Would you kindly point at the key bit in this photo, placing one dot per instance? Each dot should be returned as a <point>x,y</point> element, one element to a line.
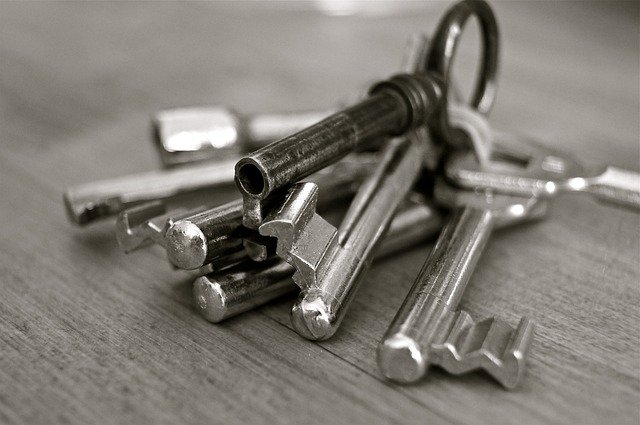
<point>428,329</point>
<point>195,241</point>
<point>246,285</point>
<point>524,167</point>
<point>188,135</point>
<point>101,199</point>
<point>330,263</point>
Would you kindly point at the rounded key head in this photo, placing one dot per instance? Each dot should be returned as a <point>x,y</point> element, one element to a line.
<point>209,299</point>
<point>400,359</point>
<point>311,317</point>
<point>186,245</point>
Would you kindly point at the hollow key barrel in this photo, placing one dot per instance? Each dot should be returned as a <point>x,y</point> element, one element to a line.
<point>394,106</point>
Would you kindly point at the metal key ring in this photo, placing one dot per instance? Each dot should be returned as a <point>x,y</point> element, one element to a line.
<point>442,49</point>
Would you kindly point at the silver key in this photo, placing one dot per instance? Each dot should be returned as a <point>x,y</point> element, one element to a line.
<point>89,202</point>
<point>221,295</point>
<point>331,262</point>
<point>525,168</point>
<point>188,135</point>
<point>427,329</point>
<point>195,241</point>
<point>146,224</point>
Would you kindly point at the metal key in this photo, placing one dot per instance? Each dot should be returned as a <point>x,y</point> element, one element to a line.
<point>523,167</point>
<point>188,135</point>
<point>427,329</point>
<point>195,241</point>
<point>89,202</point>
<point>393,107</point>
<point>221,295</point>
<point>148,223</point>
<point>331,262</point>
<point>193,134</point>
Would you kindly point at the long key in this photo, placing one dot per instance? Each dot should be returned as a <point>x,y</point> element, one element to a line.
<point>188,135</point>
<point>427,329</point>
<point>330,263</point>
<point>393,107</point>
<point>195,241</point>
<point>192,134</point>
<point>89,202</point>
<point>524,167</point>
<point>221,295</point>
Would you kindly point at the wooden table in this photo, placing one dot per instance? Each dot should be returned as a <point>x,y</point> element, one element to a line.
<point>89,335</point>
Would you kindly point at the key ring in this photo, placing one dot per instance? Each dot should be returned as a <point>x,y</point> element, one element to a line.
<point>441,52</point>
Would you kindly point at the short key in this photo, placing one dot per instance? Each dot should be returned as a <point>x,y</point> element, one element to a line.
<point>427,329</point>
<point>331,262</point>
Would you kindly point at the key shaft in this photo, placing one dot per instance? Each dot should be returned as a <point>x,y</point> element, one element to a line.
<point>90,202</point>
<point>331,262</point>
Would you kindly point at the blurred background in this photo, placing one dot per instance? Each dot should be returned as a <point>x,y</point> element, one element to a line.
<point>86,332</point>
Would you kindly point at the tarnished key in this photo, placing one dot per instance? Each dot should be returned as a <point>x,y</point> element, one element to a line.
<point>198,133</point>
<point>523,167</point>
<point>428,329</point>
<point>221,295</point>
<point>89,202</point>
<point>331,262</point>
<point>188,135</point>
<point>195,241</point>
<point>393,107</point>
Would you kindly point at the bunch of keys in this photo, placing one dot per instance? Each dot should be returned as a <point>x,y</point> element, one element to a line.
<point>275,238</point>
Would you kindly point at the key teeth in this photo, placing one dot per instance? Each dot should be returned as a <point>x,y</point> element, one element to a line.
<point>128,233</point>
<point>303,236</point>
<point>490,344</point>
<point>287,222</point>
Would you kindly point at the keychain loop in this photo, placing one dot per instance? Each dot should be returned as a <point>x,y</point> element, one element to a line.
<point>445,41</point>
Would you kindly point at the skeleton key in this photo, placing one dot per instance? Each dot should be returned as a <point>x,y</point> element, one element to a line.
<point>393,107</point>
<point>192,134</point>
<point>194,241</point>
<point>330,263</point>
<point>427,329</point>
<point>221,295</point>
<point>527,168</point>
<point>188,135</point>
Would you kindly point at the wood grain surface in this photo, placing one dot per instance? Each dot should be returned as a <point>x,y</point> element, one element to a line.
<point>89,335</point>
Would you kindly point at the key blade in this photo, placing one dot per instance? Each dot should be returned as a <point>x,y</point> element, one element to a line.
<point>302,235</point>
<point>132,230</point>
<point>100,199</point>
<point>613,185</point>
<point>491,344</point>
